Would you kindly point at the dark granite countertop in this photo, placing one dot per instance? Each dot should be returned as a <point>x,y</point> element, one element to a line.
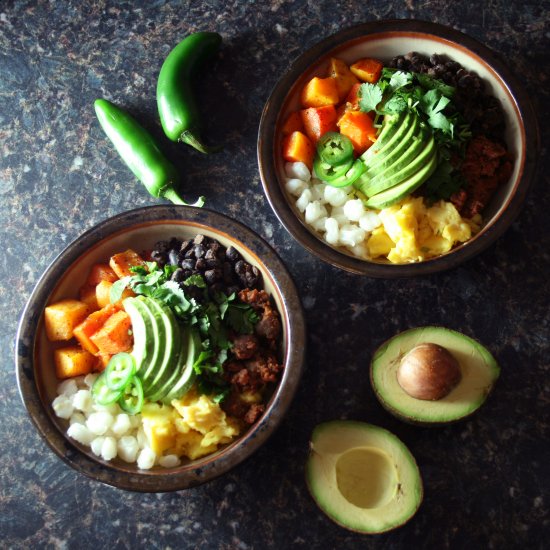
<point>486,480</point>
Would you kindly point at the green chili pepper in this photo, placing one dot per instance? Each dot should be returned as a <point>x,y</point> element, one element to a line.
<point>327,172</point>
<point>131,400</point>
<point>120,369</point>
<point>177,107</point>
<point>140,152</point>
<point>334,148</point>
<point>102,393</point>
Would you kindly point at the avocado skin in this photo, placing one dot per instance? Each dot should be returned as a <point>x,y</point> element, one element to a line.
<point>436,336</point>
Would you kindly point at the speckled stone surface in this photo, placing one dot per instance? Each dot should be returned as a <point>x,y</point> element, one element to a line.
<point>486,480</point>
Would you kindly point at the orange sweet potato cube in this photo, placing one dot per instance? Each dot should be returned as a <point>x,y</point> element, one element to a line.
<point>367,69</point>
<point>92,324</point>
<point>359,128</point>
<point>115,335</point>
<point>122,262</point>
<point>73,361</point>
<point>297,147</point>
<point>103,293</point>
<point>101,272</point>
<point>87,295</point>
<point>320,91</point>
<point>293,123</point>
<point>318,121</point>
<point>61,318</point>
<point>344,78</point>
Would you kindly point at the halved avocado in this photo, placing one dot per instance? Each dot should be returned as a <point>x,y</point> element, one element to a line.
<point>362,476</point>
<point>478,367</point>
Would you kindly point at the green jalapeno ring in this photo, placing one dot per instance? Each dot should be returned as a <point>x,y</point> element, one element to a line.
<point>102,394</point>
<point>356,170</point>
<point>120,369</point>
<point>328,172</point>
<point>139,151</point>
<point>131,399</point>
<point>335,148</point>
<point>178,111</point>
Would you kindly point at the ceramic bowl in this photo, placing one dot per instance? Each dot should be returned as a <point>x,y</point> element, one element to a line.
<point>384,40</point>
<point>141,229</point>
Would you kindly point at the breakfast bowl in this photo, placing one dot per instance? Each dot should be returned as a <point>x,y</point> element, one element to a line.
<point>362,170</point>
<point>178,372</point>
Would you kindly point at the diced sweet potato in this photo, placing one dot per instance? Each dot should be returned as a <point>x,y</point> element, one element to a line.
<point>101,272</point>
<point>122,262</point>
<point>115,334</point>
<point>359,128</point>
<point>102,362</point>
<point>87,295</point>
<point>92,324</point>
<point>320,91</point>
<point>293,123</point>
<point>297,147</point>
<point>344,78</point>
<point>367,69</point>
<point>103,293</point>
<point>318,121</point>
<point>62,317</point>
<point>73,361</point>
<point>352,99</point>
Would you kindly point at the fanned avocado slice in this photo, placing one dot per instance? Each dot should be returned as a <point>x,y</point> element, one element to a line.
<point>478,367</point>
<point>362,476</point>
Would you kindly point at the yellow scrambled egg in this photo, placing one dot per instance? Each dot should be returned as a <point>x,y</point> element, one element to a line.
<point>412,232</point>
<point>192,426</point>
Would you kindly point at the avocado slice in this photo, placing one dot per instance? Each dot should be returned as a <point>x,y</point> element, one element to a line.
<point>362,476</point>
<point>390,125</point>
<point>187,376</point>
<point>401,171</point>
<point>145,346</point>
<point>170,342</point>
<point>401,190</point>
<point>479,373</point>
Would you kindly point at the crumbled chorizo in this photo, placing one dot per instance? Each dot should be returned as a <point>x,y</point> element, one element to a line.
<point>245,346</point>
<point>269,325</point>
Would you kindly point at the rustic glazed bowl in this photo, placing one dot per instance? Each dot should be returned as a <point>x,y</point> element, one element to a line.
<point>141,229</point>
<point>384,40</point>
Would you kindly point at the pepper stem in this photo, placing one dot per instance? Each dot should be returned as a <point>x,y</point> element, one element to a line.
<point>172,195</point>
<point>188,137</point>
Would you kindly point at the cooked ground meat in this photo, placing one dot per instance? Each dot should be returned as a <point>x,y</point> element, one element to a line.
<point>245,346</point>
<point>269,325</point>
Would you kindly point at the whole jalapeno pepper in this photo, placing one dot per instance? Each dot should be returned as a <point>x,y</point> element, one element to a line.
<point>176,102</point>
<point>139,151</point>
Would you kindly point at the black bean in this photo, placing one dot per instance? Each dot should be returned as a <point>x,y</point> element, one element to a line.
<point>199,250</point>
<point>173,257</point>
<point>212,276</point>
<point>200,265</point>
<point>178,275</point>
<point>199,239</point>
<point>188,263</point>
<point>213,262</point>
<point>160,257</point>
<point>185,245</point>
<point>232,254</point>
<point>240,267</point>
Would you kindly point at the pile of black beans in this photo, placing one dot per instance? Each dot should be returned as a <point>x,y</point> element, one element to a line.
<point>223,269</point>
<point>481,110</point>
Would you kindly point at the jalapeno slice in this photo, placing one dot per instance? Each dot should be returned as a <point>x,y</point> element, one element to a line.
<point>335,148</point>
<point>120,369</point>
<point>131,400</point>
<point>102,393</point>
<point>327,172</point>
<point>351,176</point>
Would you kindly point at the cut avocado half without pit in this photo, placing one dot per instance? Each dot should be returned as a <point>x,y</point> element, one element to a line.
<point>362,476</point>
<point>418,382</point>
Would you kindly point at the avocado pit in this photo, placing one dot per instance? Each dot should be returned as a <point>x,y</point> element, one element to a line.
<point>428,372</point>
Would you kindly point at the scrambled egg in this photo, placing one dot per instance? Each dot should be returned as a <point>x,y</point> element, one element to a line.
<point>412,232</point>
<point>192,426</point>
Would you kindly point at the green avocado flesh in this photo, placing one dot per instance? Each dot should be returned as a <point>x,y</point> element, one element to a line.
<point>163,355</point>
<point>479,373</point>
<point>362,476</point>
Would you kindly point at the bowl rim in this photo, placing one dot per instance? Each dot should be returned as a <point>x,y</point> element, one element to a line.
<point>276,195</point>
<point>208,467</point>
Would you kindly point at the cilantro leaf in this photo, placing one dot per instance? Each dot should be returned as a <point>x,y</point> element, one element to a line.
<point>400,79</point>
<point>370,96</point>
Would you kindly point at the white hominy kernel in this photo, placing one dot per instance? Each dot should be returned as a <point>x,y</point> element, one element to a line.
<point>350,235</point>
<point>319,224</point>
<point>146,459</point>
<point>318,192</point>
<point>142,438</point>
<point>62,406</point>
<point>297,170</point>
<point>369,220</point>
<point>108,449</point>
<point>80,433</point>
<point>135,420</point>
<point>89,379</point>
<point>121,424</point>
<point>169,461</point>
<point>354,209</point>
<point>335,196</point>
<point>77,418</point>
<point>67,387</point>
<point>113,408</point>
<point>360,250</point>
<point>82,400</point>
<point>128,448</point>
<point>303,200</point>
<point>295,186</point>
<point>332,235</point>
<point>96,445</point>
<point>338,214</point>
<point>314,211</point>
<point>99,422</point>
